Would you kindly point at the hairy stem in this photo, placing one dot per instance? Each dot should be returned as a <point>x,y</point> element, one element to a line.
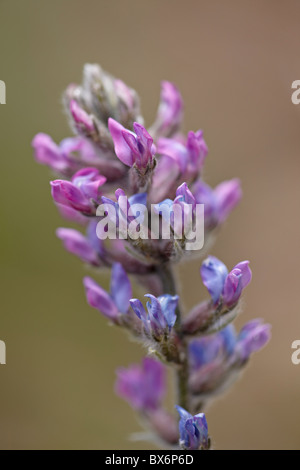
<point>167,277</point>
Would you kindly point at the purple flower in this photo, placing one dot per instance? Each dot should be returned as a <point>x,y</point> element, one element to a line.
<point>165,180</point>
<point>170,111</point>
<point>83,121</point>
<point>189,157</point>
<point>123,204</point>
<point>126,214</point>
<point>211,360</point>
<point>228,194</point>
<point>204,194</point>
<point>179,161</point>
<point>128,108</point>
<point>125,94</point>
<point>78,245</point>
<point>218,202</point>
<point>214,273</point>
<point>71,214</point>
<point>75,153</point>
<point>111,305</point>
<point>80,193</point>
<point>180,212</point>
<point>220,283</point>
<point>132,148</point>
<point>142,386</point>
<point>235,282</point>
<point>210,348</point>
<point>252,337</point>
<point>55,156</point>
<point>215,359</point>
<point>161,315</point>
<point>183,194</point>
<point>193,430</point>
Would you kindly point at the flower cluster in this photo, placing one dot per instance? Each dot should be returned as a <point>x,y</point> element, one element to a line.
<point>114,162</point>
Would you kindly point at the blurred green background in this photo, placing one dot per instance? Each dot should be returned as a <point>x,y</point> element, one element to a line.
<point>234,63</point>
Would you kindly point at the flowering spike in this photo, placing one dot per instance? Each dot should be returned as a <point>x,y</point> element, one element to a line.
<point>113,153</point>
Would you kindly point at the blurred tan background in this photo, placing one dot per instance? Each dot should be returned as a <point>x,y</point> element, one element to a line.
<point>234,63</point>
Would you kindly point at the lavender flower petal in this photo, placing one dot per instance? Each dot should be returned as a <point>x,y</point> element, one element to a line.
<point>170,111</point>
<point>78,244</point>
<point>235,282</point>
<point>81,118</point>
<point>228,194</point>
<point>168,305</point>
<point>140,312</point>
<point>100,299</point>
<point>214,273</point>
<point>193,430</point>
<point>132,148</point>
<point>66,194</point>
<point>142,386</point>
<point>253,337</point>
<point>120,288</point>
<point>48,153</point>
<point>206,350</point>
<point>122,149</point>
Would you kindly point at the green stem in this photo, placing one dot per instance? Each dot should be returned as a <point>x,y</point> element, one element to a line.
<point>167,277</point>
